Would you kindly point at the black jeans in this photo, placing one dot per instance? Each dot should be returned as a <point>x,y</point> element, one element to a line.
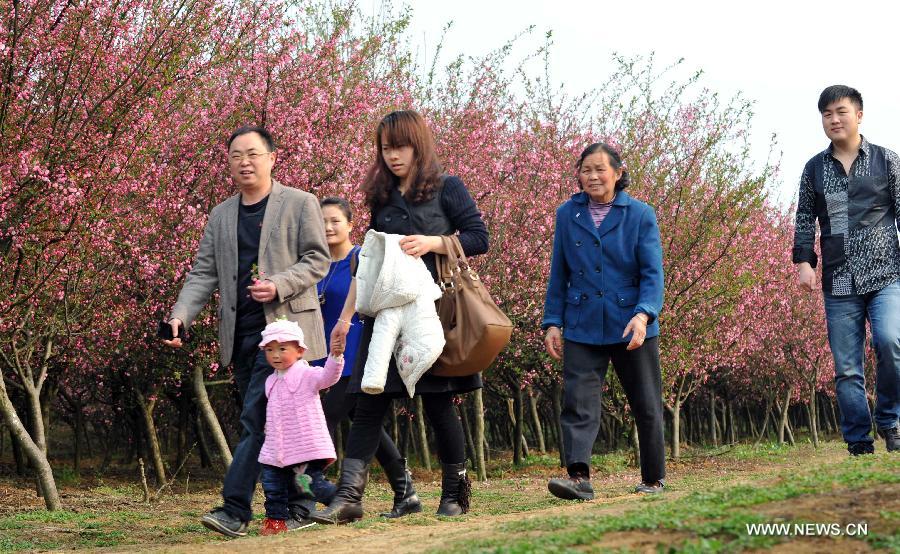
<point>584,372</point>
<point>337,405</point>
<point>367,426</point>
<point>250,373</point>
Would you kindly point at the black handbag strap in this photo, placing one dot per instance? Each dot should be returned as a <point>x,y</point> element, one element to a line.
<point>354,260</point>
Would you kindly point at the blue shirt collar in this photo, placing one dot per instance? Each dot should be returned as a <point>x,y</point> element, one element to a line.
<point>622,198</point>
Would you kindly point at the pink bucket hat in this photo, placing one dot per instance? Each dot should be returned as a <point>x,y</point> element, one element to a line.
<point>282,330</point>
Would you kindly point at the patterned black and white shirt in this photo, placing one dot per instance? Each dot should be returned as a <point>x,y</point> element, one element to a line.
<point>858,219</point>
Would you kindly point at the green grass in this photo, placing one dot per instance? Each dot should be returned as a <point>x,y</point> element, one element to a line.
<point>715,521</point>
<point>704,510</point>
<point>88,529</point>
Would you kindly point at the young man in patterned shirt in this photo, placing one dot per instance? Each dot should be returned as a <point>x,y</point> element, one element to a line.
<point>852,189</point>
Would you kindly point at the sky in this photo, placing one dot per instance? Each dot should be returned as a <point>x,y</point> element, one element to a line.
<point>779,54</point>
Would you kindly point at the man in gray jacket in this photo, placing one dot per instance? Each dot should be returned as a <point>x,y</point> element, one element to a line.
<point>264,250</point>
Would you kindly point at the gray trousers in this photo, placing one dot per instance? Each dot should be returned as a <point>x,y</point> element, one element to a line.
<point>584,373</point>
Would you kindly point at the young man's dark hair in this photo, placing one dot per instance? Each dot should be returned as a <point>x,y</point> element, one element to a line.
<point>262,132</point>
<point>836,92</point>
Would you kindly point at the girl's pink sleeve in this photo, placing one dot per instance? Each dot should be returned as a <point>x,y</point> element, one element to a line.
<point>330,374</point>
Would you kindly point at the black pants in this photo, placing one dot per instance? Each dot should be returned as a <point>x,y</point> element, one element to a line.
<point>337,405</point>
<point>584,372</point>
<point>368,422</point>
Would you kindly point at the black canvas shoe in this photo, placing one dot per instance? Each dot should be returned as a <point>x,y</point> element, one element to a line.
<point>297,523</point>
<point>221,521</point>
<point>299,517</point>
<point>891,438</point>
<point>571,488</point>
<point>655,488</point>
<point>859,448</point>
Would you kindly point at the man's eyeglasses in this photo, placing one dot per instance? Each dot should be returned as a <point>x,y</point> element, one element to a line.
<point>237,158</point>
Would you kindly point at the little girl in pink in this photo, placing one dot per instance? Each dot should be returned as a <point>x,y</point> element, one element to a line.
<point>296,432</point>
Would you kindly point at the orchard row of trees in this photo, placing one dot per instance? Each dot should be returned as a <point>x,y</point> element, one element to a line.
<point>112,125</point>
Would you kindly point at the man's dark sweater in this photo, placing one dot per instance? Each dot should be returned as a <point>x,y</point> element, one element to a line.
<point>250,316</point>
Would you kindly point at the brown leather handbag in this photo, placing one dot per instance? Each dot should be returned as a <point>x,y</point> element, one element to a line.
<point>476,330</point>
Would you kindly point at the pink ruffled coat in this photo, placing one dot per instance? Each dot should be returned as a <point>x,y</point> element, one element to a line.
<point>296,431</point>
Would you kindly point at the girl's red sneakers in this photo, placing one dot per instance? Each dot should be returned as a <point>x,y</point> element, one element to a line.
<point>273,526</point>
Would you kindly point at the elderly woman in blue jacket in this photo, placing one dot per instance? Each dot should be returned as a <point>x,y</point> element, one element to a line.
<point>603,298</point>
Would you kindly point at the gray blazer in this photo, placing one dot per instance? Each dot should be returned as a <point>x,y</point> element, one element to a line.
<point>293,254</point>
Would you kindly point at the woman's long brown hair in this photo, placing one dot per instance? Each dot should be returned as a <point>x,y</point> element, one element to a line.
<point>403,128</point>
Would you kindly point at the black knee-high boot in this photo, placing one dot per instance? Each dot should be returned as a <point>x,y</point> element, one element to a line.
<point>347,503</point>
<point>406,501</point>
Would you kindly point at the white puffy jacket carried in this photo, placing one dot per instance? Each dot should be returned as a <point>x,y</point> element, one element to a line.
<point>399,292</point>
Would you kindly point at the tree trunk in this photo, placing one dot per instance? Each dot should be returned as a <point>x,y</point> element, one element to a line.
<point>713,424</point>
<point>729,410</point>
<point>181,434</point>
<point>76,455</point>
<point>35,418</point>
<point>209,418</point>
<point>784,414</point>
<point>765,423</point>
<point>395,423</point>
<point>467,431</point>
<point>48,394</point>
<point>411,431</point>
<point>520,421</point>
<point>516,413</point>
<point>823,414</point>
<point>834,417</point>
<point>87,438</point>
<point>147,408</point>
<point>676,428</point>
<point>205,457</point>
<point>18,455</point>
<point>813,411</point>
<point>538,428</point>
<point>423,436</point>
<point>480,440</point>
<point>557,415</point>
<point>751,423</point>
<point>405,424</point>
<point>790,433</point>
<point>635,443</point>
<point>33,451</point>
<point>515,436</point>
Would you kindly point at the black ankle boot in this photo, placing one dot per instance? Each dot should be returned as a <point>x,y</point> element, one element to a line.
<point>347,503</point>
<point>406,501</point>
<point>455,490</point>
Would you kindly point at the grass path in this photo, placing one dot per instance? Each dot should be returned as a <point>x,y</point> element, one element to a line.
<point>711,497</point>
<point>710,501</point>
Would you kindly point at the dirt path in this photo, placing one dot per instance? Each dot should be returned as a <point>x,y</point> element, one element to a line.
<point>399,538</point>
<point>424,532</point>
<point>513,508</point>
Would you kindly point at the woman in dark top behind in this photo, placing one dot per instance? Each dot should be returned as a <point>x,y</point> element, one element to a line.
<point>337,405</point>
<point>408,194</point>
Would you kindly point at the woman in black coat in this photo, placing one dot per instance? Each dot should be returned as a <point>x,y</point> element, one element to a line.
<point>408,194</point>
